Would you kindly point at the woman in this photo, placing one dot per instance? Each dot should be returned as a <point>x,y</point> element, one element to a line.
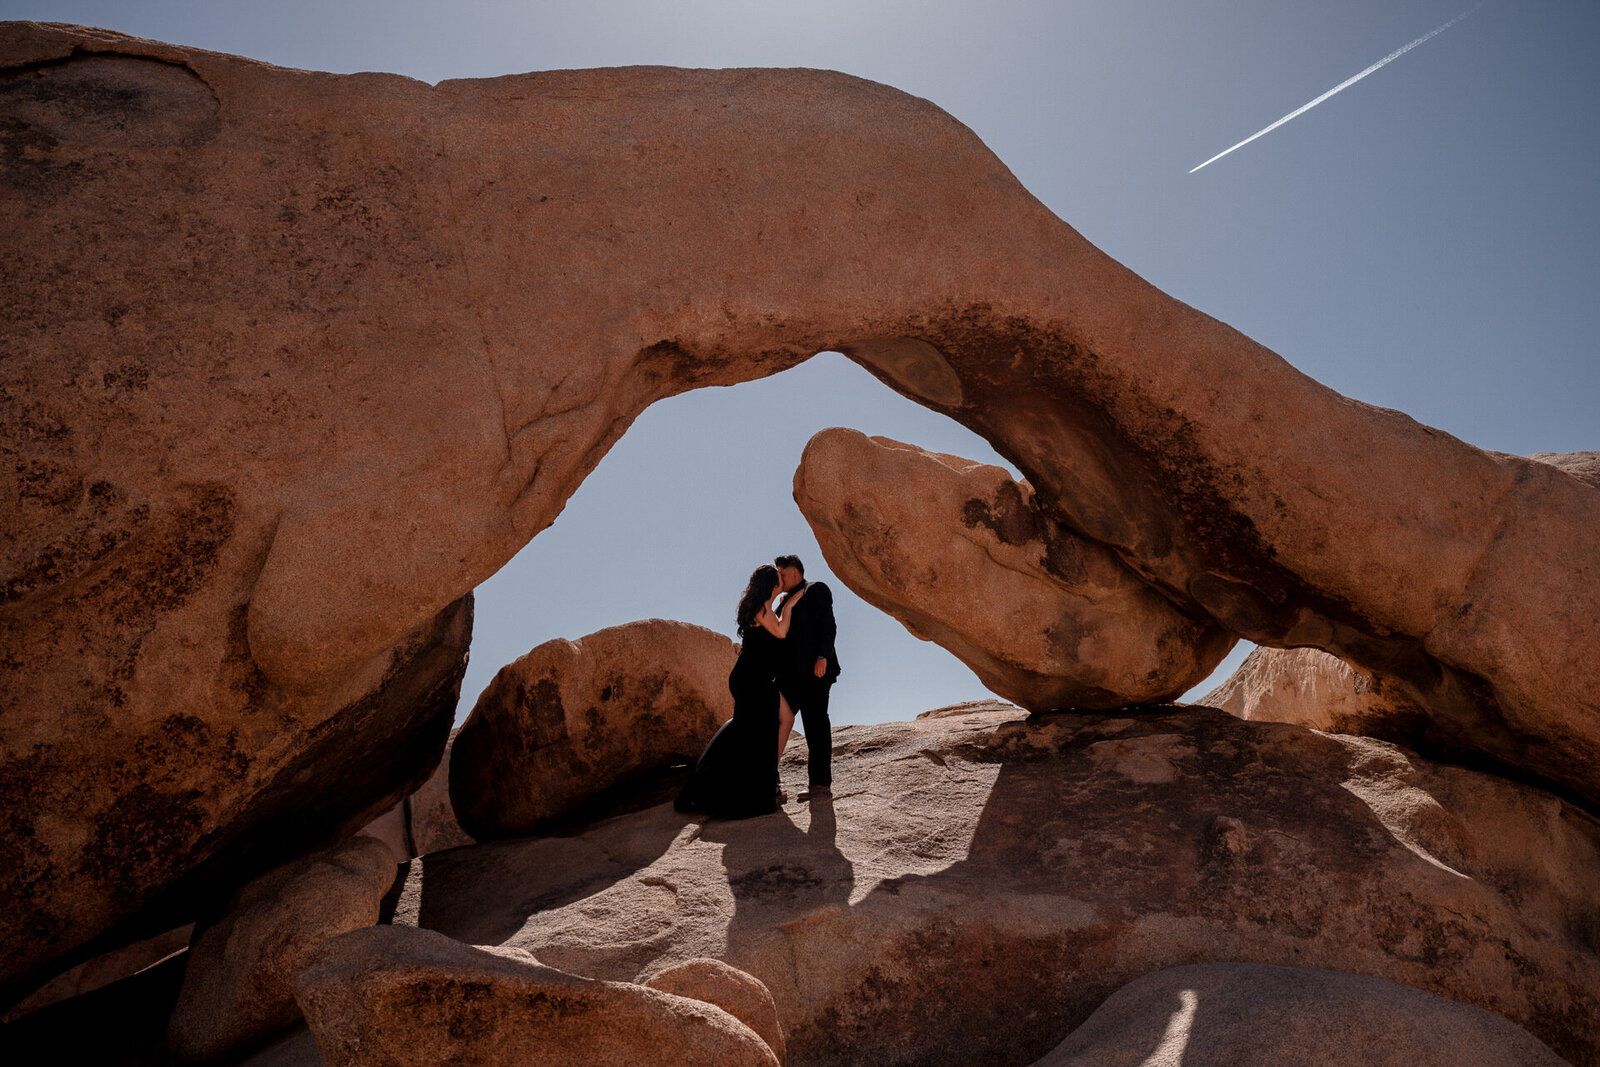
<point>737,774</point>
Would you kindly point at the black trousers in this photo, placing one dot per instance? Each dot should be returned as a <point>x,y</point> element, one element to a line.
<point>808,699</point>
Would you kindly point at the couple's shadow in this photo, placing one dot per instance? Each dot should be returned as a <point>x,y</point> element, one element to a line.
<point>778,871</point>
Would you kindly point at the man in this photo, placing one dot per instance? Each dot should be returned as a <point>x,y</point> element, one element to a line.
<point>808,668</point>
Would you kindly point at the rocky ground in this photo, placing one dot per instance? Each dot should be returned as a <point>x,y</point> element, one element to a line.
<point>983,881</point>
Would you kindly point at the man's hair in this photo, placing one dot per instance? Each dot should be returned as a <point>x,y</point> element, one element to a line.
<point>790,561</point>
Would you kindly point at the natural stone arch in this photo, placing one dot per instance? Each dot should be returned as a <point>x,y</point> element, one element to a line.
<point>379,331</point>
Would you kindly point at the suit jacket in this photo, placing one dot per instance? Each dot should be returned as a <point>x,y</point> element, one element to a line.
<point>811,634</point>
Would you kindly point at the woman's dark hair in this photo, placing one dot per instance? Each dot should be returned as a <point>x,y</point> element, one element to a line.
<point>762,582</point>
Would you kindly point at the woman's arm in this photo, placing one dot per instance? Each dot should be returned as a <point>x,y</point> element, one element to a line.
<point>774,625</point>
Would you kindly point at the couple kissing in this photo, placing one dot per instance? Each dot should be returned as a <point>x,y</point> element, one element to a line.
<point>786,668</point>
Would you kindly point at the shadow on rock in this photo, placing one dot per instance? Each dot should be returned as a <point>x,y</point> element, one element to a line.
<point>483,894</point>
<point>775,868</point>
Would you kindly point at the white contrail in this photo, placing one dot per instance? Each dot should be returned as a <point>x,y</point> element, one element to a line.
<point>1385,61</point>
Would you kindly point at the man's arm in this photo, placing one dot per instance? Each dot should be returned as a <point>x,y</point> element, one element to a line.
<point>827,629</point>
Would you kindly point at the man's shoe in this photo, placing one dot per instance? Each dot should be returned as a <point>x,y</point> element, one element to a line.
<point>816,792</point>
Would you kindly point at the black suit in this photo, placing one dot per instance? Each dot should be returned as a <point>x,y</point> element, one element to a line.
<point>811,636</point>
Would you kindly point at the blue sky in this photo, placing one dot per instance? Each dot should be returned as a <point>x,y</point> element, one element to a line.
<point>1427,240</point>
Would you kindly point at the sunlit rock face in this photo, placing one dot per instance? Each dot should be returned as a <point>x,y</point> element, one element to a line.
<point>963,555</point>
<point>1249,1015</point>
<point>1584,466</point>
<point>981,882</point>
<point>571,719</point>
<point>1309,687</point>
<point>294,360</point>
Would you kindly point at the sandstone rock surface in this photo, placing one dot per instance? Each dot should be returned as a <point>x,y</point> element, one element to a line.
<point>238,984</point>
<point>1309,687</point>
<point>979,884</point>
<point>966,557</point>
<point>739,994</point>
<point>972,707</point>
<point>379,334</point>
<point>1249,1015</point>
<point>398,997</point>
<point>1584,466</point>
<point>573,718</point>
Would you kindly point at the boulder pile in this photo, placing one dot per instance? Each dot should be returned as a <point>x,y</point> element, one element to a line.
<point>572,719</point>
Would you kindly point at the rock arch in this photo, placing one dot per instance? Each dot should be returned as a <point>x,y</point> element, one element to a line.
<point>275,399</point>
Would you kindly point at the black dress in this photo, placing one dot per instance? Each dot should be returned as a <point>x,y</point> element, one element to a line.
<point>737,774</point>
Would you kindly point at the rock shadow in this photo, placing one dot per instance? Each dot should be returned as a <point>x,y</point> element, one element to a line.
<point>775,866</point>
<point>483,894</point>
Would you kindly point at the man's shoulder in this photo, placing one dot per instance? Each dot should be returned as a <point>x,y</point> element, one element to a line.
<point>818,591</point>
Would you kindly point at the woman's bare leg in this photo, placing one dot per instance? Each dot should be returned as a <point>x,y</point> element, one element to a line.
<point>785,724</point>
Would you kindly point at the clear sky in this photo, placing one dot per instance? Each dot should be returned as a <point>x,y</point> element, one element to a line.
<point>1427,239</point>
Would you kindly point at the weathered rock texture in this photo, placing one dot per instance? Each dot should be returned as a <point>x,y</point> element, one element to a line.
<point>972,707</point>
<point>397,997</point>
<point>380,330</point>
<point>1249,1015</point>
<point>964,556</point>
<point>1311,688</point>
<point>573,718</point>
<point>163,419</point>
<point>423,822</point>
<point>1584,466</point>
<point>980,885</point>
<point>739,994</point>
<point>238,985</point>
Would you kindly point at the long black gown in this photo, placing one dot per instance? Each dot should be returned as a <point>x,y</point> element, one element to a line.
<point>737,774</point>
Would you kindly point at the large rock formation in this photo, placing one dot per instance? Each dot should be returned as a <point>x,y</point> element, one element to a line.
<point>396,997</point>
<point>1311,688</point>
<point>294,360</point>
<point>159,431</point>
<point>573,718</point>
<point>980,884</point>
<point>1248,1015</point>
<point>964,556</point>
<point>238,982</point>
